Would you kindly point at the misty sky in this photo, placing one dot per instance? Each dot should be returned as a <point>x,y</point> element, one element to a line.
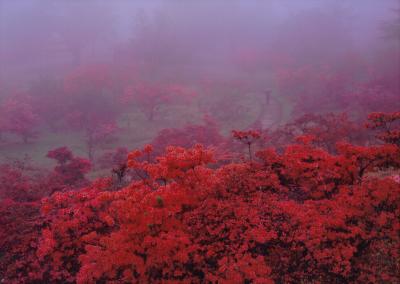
<point>43,38</point>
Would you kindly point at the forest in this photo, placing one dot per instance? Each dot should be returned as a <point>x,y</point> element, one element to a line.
<point>220,141</point>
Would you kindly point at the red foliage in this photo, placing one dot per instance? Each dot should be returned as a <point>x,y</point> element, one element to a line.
<point>206,134</point>
<point>20,228</point>
<point>378,93</point>
<point>18,117</point>
<point>61,155</point>
<point>49,101</point>
<point>312,88</point>
<point>327,129</point>
<point>388,124</point>
<point>70,171</point>
<point>114,158</point>
<point>116,161</point>
<point>91,104</point>
<point>247,138</point>
<point>305,215</point>
<point>99,134</point>
<point>150,96</point>
<point>227,106</point>
<point>348,87</point>
<point>21,182</point>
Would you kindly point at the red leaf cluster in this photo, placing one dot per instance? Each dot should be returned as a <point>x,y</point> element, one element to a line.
<point>301,216</point>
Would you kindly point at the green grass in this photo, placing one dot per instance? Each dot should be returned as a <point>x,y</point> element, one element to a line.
<point>135,130</point>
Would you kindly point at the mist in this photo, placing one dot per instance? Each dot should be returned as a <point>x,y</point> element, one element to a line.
<point>163,64</point>
<point>134,129</point>
<point>49,38</point>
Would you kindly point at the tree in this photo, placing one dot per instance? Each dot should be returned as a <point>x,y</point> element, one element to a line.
<point>311,88</point>
<point>326,129</point>
<point>69,172</point>
<point>22,182</point>
<point>248,138</point>
<point>18,116</point>
<point>116,161</point>
<point>49,102</point>
<point>92,107</point>
<point>150,96</point>
<point>206,134</point>
<point>388,124</point>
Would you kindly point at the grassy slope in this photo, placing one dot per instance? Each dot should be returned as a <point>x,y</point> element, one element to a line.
<point>135,130</point>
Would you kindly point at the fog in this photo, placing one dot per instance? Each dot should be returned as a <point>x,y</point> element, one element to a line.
<point>47,38</point>
<point>110,62</point>
<point>199,141</point>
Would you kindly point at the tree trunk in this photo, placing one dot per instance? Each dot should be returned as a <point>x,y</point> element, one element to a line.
<point>151,114</point>
<point>90,149</point>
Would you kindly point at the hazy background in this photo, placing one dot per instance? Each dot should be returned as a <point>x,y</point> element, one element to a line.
<point>226,52</point>
<point>47,38</point>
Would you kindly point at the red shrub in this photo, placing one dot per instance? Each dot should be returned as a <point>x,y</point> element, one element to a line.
<point>206,134</point>
<point>326,129</point>
<point>70,171</point>
<point>305,215</point>
<point>388,124</point>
